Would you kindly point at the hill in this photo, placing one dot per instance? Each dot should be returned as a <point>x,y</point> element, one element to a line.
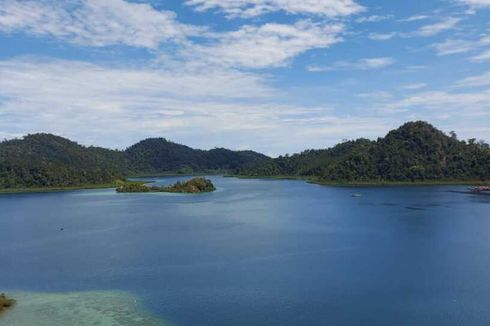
<point>416,151</point>
<point>158,155</point>
<point>46,160</point>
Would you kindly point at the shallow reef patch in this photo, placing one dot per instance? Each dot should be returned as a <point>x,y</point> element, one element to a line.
<point>78,309</point>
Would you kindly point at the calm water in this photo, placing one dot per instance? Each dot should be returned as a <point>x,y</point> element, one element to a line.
<point>260,252</point>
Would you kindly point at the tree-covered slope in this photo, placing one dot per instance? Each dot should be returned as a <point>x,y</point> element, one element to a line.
<point>45,160</point>
<point>158,155</point>
<point>416,151</point>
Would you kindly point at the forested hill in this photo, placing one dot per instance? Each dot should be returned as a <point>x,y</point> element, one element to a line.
<point>414,152</point>
<point>45,160</point>
<point>158,155</point>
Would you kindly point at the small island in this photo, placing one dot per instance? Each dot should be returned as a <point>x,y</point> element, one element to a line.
<point>5,303</point>
<point>193,186</point>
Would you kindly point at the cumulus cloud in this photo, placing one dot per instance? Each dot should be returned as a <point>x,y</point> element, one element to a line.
<point>252,8</point>
<point>362,64</point>
<point>94,22</point>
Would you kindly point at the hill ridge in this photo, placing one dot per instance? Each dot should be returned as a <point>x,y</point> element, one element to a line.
<point>416,151</point>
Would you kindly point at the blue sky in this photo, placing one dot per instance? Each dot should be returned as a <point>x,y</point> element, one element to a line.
<point>277,76</point>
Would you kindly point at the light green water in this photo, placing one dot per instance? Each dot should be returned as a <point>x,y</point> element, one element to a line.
<point>78,309</point>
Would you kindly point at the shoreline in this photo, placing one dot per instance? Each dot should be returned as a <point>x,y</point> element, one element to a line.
<point>313,180</point>
<point>65,189</point>
<point>56,189</point>
<point>280,177</point>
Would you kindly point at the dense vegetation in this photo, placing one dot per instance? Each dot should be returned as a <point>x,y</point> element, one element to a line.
<point>45,160</point>
<point>158,155</point>
<point>414,152</point>
<point>5,303</point>
<point>195,185</point>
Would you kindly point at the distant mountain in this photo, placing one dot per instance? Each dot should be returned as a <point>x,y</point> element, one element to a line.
<point>414,152</point>
<point>45,160</point>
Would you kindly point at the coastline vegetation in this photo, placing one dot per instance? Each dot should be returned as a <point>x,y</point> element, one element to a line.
<point>414,154</point>
<point>318,181</point>
<point>45,162</point>
<point>5,302</point>
<point>195,185</point>
<point>58,189</point>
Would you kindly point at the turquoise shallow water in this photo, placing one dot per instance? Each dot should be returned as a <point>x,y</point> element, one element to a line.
<point>103,308</point>
<point>256,252</point>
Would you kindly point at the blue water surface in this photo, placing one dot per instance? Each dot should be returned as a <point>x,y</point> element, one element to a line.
<point>261,252</point>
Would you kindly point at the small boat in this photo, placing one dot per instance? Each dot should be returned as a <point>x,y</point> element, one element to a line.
<point>356,195</point>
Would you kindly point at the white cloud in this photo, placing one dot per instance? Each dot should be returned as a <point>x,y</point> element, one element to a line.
<point>84,81</point>
<point>482,57</point>
<point>376,95</point>
<point>452,46</point>
<point>268,45</point>
<point>476,81</point>
<point>252,8</point>
<point>373,18</point>
<point>112,22</point>
<point>471,102</point>
<point>116,106</point>
<point>362,64</point>
<point>381,36</point>
<point>94,22</point>
<point>476,3</point>
<point>414,18</point>
<point>415,86</point>
<point>466,112</point>
<point>424,31</point>
<point>436,28</point>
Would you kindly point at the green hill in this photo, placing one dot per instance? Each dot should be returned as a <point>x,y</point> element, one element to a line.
<point>414,152</point>
<point>158,155</point>
<point>45,160</point>
<point>49,161</point>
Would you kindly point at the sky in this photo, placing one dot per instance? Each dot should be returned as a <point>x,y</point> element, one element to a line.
<point>275,76</point>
